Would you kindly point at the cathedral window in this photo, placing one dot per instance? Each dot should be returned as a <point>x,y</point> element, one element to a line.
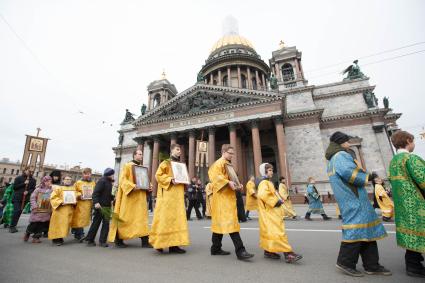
<point>243,81</point>
<point>156,100</point>
<point>254,83</point>
<point>287,72</point>
<point>225,81</point>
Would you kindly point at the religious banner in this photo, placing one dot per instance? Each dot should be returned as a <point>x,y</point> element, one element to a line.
<point>201,159</point>
<point>34,152</point>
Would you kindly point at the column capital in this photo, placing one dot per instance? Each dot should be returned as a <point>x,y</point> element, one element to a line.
<point>192,133</point>
<point>232,126</point>
<point>278,120</point>
<point>254,123</point>
<point>140,140</point>
<point>211,130</point>
<point>156,139</point>
<point>173,135</point>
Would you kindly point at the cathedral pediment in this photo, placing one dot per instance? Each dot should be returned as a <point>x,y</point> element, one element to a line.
<point>202,99</point>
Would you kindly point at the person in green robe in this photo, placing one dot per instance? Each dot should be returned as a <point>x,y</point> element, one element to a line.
<point>7,205</point>
<point>407,177</point>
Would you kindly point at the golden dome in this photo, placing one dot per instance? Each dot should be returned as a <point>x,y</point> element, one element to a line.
<point>233,39</point>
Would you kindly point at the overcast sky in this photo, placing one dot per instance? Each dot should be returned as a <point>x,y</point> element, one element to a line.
<point>99,56</point>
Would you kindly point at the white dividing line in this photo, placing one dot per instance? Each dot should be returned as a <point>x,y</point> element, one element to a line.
<point>299,230</point>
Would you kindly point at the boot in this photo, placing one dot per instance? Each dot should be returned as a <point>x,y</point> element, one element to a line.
<point>145,242</point>
<point>325,217</point>
<point>307,216</point>
<point>26,237</point>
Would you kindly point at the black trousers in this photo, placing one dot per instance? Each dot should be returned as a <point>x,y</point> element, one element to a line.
<point>349,255</point>
<point>236,239</point>
<point>17,211</point>
<point>37,228</point>
<point>413,261</point>
<point>240,207</point>
<point>97,219</point>
<point>193,203</point>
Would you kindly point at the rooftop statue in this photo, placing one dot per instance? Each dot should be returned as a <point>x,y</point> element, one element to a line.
<point>353,72</point>
<point>143,109</point>
<point>273,82</point>
<point>128,117</point>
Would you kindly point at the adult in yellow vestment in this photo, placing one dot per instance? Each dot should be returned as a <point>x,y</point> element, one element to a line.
<point>61,219</point>
<point>82,212</point>
<point>209,193</point>
<point>384,201</point>
<point>251,197</point>
<point>273,239</point>
<point>284,193</point>
<point>224,218</point>
<point>169,225</point>
<point>130,216</point>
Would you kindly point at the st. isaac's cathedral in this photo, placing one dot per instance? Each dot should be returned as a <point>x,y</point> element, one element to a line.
<point>267,111</point>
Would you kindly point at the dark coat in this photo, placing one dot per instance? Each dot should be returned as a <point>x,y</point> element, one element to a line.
<point>19,188</point>
<point>102,193</point>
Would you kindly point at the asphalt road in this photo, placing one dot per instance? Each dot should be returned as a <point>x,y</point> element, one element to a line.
<point>317,241</point>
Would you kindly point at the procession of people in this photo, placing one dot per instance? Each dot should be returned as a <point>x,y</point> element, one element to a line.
<point>59,207</point>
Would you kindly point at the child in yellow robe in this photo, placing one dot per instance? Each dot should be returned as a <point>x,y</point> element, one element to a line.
<point>273,239</point>
<point>284,194</point>
<point>251,197</point>
<point>63,204</point>
<point>384,201</point>
<point>208,192</point>
<point>82,213</point>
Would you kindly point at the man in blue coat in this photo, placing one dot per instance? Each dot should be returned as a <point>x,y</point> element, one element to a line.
<point>361,227</point>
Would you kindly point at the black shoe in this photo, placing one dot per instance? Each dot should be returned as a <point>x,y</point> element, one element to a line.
<point>325,217</point>
<point>380,271</point>
<point>45,234</point>
<point>416,273</point>
<point>13,230</point>
<point>271,255</point>
<point>6,225</point>
<point>91,244</point>
<point>103,245</point>
<point>120,244</point>
<point>350,271</point>
<point>176,250</point>
<point>244,255</point>
<point>386,219</point>
<point>339,217</point>
<point>220,252</point>
<point>160,250</point>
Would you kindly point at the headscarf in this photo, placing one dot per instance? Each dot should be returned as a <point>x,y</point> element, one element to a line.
<point>263,169</point>
<point>43,182</point>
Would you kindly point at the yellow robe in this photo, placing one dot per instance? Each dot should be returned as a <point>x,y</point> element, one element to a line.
<point>208,201</point>
<point>61,219</point>
<point>224,216</point>
<point>338,212</point>
<point>272,229</point>
<point>169,225</point>
<point>130,219</point>
<point>251,199</point>
<point>386,204</point>
<point>284,193</point>
<point>82,212</point>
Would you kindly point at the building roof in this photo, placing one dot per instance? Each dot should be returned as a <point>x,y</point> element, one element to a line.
<point>231,39</point>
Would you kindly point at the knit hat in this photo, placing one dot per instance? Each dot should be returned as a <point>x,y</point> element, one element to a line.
<point>108,172</point>
<point>339,138</point>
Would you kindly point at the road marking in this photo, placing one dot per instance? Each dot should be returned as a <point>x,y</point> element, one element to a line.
<point>299,230</point>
